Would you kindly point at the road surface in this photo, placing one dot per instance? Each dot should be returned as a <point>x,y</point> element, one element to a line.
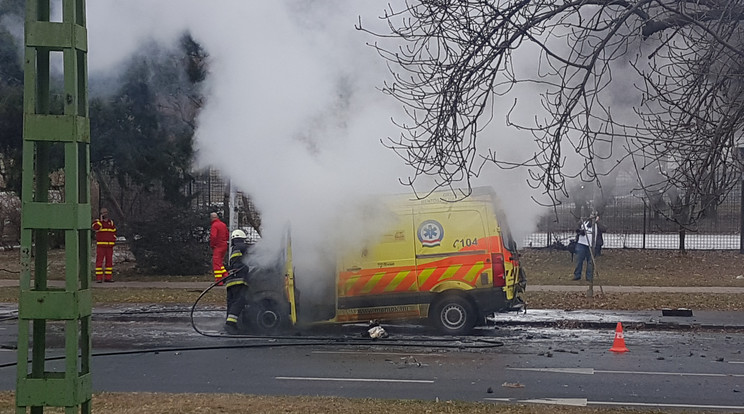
<point>695,369</point>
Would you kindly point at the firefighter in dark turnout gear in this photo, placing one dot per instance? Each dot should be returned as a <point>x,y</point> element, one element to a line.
<point>237,281</point>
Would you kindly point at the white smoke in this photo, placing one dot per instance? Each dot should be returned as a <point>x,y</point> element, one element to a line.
<point>294,116</point>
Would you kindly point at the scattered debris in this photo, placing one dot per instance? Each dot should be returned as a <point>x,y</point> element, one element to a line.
<point>512,385</point>
<point>376,331</point>
<point>407,362</point>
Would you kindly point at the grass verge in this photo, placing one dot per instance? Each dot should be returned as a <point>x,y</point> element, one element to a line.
<point>535,300</point>
<point>635,267</point>
<point>158,403</point>
<point>635,301</point>
<point>131,295</point>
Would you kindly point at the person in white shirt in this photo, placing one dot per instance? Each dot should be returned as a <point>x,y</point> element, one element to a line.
<point>583,250</point>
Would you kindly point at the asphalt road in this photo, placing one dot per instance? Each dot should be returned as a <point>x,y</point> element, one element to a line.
<point>695,368</point>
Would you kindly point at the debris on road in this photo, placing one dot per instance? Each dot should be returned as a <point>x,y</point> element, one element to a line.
<point>512,385</point>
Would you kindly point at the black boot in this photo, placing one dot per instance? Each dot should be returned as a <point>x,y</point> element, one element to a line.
<point>231,328</point>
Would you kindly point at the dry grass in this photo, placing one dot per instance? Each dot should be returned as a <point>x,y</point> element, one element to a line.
<point>127,295</point>
<point>10,268</point>
<point>622,267</point>
<point>634,301</point>
<point>150,403</point>
<point>630,267</point>
<point>536,300</point>
<point>626,267</point>
<point>616,267</point>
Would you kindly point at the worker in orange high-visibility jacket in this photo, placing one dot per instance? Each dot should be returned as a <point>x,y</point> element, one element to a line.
<point>105,240</point>
<point>218,239</point>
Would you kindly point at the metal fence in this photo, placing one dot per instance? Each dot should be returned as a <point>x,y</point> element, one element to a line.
<point>210,190</point>
<point>631,220</point>
<point>636,222</point>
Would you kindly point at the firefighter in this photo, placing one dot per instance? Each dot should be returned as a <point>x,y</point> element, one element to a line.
<point>105,239</point>
<point>218,239</point>
<point>237,282</point>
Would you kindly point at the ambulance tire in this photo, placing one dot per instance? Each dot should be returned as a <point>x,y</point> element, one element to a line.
<point>453,315</point>
<point>267,317</point>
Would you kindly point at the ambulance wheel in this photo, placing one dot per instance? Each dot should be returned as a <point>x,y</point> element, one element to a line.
<point>453,315</point>
<point>268,317</point>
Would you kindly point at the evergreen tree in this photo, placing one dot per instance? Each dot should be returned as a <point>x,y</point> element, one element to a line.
<point>142,142</point>
<point>11,112</point>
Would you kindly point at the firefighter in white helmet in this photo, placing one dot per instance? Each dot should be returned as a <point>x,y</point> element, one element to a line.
<point>236,284</point>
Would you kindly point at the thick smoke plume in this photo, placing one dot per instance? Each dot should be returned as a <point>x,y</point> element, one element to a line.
<point>294,115</point>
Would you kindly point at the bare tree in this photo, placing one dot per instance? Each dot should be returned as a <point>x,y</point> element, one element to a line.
<point>453,62</point>
<point>692,109</point>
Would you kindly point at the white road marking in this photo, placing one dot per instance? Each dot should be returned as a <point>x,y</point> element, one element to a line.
<point>736,362</point>
<point>575,402</point>
<point>356,380</point>
<point>674,374</point>
<point>584,371</point>
<point>592,371</point>
<point>583,402</point>
<point>372,353</point>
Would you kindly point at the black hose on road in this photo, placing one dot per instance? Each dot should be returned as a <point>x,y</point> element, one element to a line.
<point>335,340</point>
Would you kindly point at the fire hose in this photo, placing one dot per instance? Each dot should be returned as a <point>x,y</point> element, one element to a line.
<point>302,340</point>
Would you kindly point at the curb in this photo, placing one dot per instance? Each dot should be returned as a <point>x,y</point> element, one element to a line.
<point>530,288</point>
<point>639,326</point>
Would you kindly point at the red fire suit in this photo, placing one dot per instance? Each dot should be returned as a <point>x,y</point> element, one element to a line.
<point>218,239</point>
<point>105,240</point>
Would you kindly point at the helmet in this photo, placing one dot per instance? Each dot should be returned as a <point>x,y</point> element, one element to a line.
<point>238,234</point>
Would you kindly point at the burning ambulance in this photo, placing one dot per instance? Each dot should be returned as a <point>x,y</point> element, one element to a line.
<point>451,263</point>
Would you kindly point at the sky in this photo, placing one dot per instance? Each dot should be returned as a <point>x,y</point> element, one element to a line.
<point>294,115</point>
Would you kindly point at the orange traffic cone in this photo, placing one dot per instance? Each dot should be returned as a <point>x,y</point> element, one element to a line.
<point>619,344</point>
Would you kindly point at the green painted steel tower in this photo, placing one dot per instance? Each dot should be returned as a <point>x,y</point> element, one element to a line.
<point>55,127</point>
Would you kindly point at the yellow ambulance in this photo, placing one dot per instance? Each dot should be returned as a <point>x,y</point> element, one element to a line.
<point>453,263</point>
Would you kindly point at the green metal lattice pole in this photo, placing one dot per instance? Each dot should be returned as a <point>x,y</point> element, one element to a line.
<point>55,125</point>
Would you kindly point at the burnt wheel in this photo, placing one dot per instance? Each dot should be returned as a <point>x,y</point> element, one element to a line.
<point>453,315</point>
<point>267,317</point>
